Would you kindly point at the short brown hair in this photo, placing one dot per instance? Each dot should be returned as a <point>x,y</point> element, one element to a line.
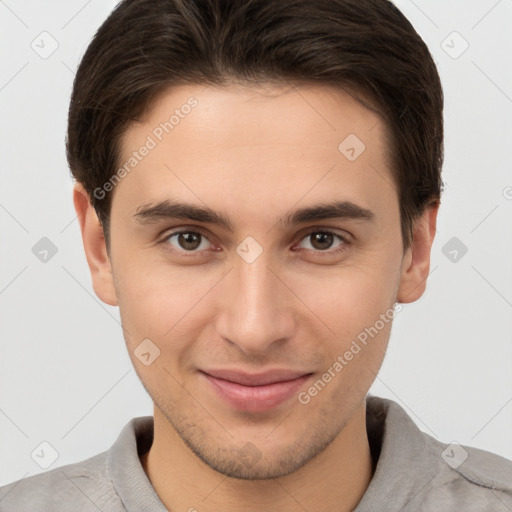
<point>364,47</point>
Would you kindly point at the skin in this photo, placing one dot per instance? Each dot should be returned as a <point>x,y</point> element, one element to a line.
<point>255,154</point>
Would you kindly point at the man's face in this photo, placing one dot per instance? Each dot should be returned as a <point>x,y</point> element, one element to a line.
<point>265,294</point>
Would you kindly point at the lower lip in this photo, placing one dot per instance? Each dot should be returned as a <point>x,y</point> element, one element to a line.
<point>255,398</point>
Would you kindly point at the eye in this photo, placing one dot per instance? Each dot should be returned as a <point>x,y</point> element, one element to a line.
<point>194,242</point>
<point>322,240</point>
<point>186,241</point>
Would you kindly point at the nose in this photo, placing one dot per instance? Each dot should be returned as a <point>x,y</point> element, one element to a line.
<point>256,308</point>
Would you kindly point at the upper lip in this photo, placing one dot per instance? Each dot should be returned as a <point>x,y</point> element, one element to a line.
<point>256,379</point>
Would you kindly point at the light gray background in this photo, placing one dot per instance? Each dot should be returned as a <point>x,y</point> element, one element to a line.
<point>65,375</point>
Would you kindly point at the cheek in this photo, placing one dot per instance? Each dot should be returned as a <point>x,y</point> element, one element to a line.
<point>356,305</point>
<point>156,310</point>
<point>350,296</point>
<point>145,303</point>
<point>158,302</point>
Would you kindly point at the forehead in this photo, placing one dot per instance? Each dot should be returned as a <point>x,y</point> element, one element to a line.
<point>237,144</point>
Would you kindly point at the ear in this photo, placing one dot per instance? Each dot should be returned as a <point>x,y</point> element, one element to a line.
<point>416,261</point>
<point>95,247</point>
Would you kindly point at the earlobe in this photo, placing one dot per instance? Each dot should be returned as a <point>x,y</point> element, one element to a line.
<point>416,262</point>
<point>95,247</point>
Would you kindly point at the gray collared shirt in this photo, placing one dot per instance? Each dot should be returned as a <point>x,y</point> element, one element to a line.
<point>414,472</point>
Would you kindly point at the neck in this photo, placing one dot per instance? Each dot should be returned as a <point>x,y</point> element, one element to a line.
<point>335,480</point>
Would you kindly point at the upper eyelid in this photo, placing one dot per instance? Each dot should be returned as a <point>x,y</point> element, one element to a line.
<point>191,229</point>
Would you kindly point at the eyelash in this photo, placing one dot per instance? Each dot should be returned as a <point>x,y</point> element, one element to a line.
<point>197,231</point>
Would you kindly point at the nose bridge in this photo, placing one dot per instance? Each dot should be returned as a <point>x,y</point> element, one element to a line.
<point>254,287</point>
<point>256,307</point>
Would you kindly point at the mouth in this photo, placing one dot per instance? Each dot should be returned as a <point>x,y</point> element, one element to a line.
<point>255,392</point>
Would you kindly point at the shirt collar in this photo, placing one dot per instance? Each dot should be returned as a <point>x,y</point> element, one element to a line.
<point>406,463</point>
<point>124,465</point>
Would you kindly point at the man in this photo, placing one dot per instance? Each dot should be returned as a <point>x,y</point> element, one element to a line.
<point>258,185</point>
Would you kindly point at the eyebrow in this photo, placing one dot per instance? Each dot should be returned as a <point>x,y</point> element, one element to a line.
<point>166,209</point>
